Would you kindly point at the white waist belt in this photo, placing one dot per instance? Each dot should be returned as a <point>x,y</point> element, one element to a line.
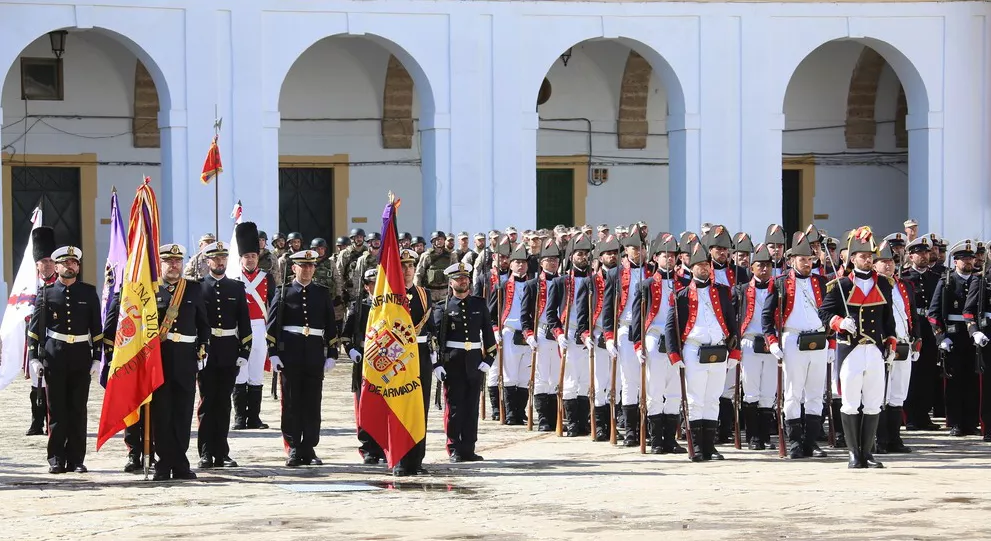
<point>625,322</point>
<point>305,331</point>
<point>796,331</point>
<point>955,317</point>
<point>696,343</point>
<point>422,339</point>
<point>223,332</point>
<point>467,346</point>
<point>181,338</point>
<point>69,338</point>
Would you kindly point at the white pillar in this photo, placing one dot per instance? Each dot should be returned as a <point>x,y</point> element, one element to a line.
<point>3,247</point>
<point>438,211</point>
<point>180,213</point>
<point>926,189</point>
<point>684,181</point>
<point>265,189</point>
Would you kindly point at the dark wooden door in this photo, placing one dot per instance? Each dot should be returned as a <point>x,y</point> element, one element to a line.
<point>57,188</point>
<point>555,197</point>
<point>306,202</point>
<point>791,202</point>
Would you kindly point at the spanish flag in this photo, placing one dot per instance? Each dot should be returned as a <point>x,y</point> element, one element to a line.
<point>212,166</point>
<point>391,404</point>
<point>136,366</point>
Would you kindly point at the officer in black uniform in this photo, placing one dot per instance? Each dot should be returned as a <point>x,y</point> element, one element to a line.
<point>976,311</point>
<point>925,381</point>
<point>466,345</point>
<point>65,337</point>
<point>354,336</point>
<point>420,314</point>
<point>230,345</point>
<point>301,329</point>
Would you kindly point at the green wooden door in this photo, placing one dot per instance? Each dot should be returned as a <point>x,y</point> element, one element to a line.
<point>555,197</point>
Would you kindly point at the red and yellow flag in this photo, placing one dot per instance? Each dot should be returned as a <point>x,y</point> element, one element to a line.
<point>212,166</point>
<point>136,366</point>
<point>391,404</point>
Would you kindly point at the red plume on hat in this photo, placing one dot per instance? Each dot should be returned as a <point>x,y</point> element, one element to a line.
<point>861,239</point>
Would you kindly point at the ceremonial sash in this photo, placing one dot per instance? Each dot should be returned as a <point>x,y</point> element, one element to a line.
<point>172,312</point>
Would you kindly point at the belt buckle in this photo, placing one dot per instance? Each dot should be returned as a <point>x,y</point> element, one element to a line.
<point>467,346</point>
<point>216,332</point>
<point>306,331</point>
<point>70,339</point>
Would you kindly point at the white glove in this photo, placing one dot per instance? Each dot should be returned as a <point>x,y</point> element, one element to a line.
<point>679,364</point>
<point>498,338</point>
<point>946,345</point>
<point>642,356</point>
<point>433,358</point>
<point>588,343</point>
<point>241,361</point>
<point>355,356</point>
<point>482,367</point>
<point>849,325</point>
<point>531,341</point>
<point>329,364</point>
<point>202,362</point>
<point>611,348</point>
<point>35,365</point>
<point>913,356</point>
<point>562,342</point>
<point>830,355</point>
<point>440,373</point>
<point>746,344</point>
<point>276,363</point>
<point>94,369</point>
<point>776,351</point>
<point>980,339</point>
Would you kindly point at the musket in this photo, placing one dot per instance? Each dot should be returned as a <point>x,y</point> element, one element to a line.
<point>944,311</point>
<point>612,387</point>
<point>502,383</point>
<point>643,370</point>
<point>591,353</point>
<point>779,323</point>
<point>42,353</point>
<point>736,411</point>
<point>829,366</point>
<point>684,385</point>
<point>979,317</point>
<point>533,367</point>
<point>564,360</point>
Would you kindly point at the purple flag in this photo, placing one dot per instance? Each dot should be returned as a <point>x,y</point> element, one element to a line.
<point>116,260</point>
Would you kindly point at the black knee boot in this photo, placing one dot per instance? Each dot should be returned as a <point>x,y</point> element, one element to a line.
<point>571,420</point>
<point>813,427</point>
<point>254,408</point>
<point>655,426</point>
<point>881,438</point>
<point>796,438</point>
<point>709,451</point>
<point>697,445</point>
<point>669,427</point>
<point>240,397</point>
<point>768,426</point>
<point>601,423</point>
<point>750,416</point>
<point>894,422</point>
<point>632,414</point>
<point>840,439</point>
<point>868,430</point>
<point>38,412</point>
<point>545,409</point>
<point>494,402</point>
<point>851,428</point>
<point>725,422</point>
<point>584,410</point>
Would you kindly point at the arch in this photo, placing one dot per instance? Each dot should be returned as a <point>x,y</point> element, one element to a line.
<point>413,68</point>
<point>901,112</point>
<point>144,121</point>
<point>861,125</point>
<point>397,106</point>
<point>631,122</point>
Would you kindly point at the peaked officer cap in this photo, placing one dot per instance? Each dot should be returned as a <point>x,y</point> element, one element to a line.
<point>964,248</point>
<point>408,256</point>
<point>217,249</point>
<point>67,252</point>
<point>246,234</point>
<point>774,235</point>
<point>458,270</point>
<point>370,276</point>
<point>171,251</point>
<point>920,244</point>
<point>304,256</point>
<point>42,242</point>
<point>895,239</point>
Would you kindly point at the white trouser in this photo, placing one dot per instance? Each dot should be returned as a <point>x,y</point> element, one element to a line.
<point>516,372</point>
<point>629,367</point>
<point>254,372</point>
<point>835,376</point>
<point>862,380</point>
<point>663,380</point>
<point>704,383</point>
<point>603,375</point>
<point>548,365</point>
<point>576,376</point>
<point>805,378</point>
<point>759,378</point>
<point>898,376</point>
<point>729,387</point>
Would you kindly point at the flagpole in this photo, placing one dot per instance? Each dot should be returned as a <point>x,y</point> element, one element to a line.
<point>147,438</point>
<point>216,185</point>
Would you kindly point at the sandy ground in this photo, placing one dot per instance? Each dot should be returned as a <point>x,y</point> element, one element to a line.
<point>530,486</point>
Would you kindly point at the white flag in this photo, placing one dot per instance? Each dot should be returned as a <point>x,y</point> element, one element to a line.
<point>20,305</point>
<point>233,255</point>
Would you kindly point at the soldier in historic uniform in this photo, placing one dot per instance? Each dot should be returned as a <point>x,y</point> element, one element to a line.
<point>42,246</point>
<point>354,339</point>
<point>758,375</point>
<point>796,336</point>
<point>907,353</point>
<point>505,312</point>
<point>858,308</point>
<point>562,320</point>
<point>197,268</point>
<point>486,286</point>
<point>536,332</point>
<point>466,348</point>
<point>185,334</point>
<point>956,347</point>
<point>421,314</point>
<point>430,268</point>
<point>774,239</point>
<point>302,346</point>
<point>259,286</point>
<point>651,304</point>
<point>742,247</point>
<point>701,335</point>
<point>367,261</point>
<point>230,346</point>
<point>977,312</point>
<point>65,337</point>
<point>328,275</point>
<point>621,285</point>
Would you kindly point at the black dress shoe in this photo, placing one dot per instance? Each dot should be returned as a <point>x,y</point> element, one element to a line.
<point>957,432</point>
<point>79,468</point>
<point>870,462</point>
<point>206,463</point>
<point>314,462</point>
<point>716,455</point>
<point>57,468</point>
<point>456,458</point>
<point>35,431</point>
<point>257,425</point>
<point>399,471</point>
<point>855,462</point>
<point>161,475</point>
<point>184,475</point>
<point>226,462</point>
<point>474,458</point>
<point>293,461</point>
<point>422,471</point>
<point>133,465</point>
<point>239,424</point>
<point>987,437</point>
<point>370,460</point>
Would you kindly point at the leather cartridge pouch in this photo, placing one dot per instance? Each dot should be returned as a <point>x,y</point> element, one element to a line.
<point>662,344</point>
<point>712,354</point>
<point>760,344</point>
<point>901,351</point>
<point>518,338</point>
<point>811,340</point>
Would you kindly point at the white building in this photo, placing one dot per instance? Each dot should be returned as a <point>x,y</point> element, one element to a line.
<point>676,113</point>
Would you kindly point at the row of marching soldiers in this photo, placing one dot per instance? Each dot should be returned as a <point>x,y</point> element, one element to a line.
<point>647,334</point>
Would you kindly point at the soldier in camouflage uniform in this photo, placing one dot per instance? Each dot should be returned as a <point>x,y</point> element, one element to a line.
<point>346,262</point>
<point>342,243</point>
<point>430,268</point>
<point>267,260</point>
<point>326,275</point>
<point>279,247</point>
<point>461,246</point>
<point>197,268</point>
<point>368,260</point>
<point>293,245</point>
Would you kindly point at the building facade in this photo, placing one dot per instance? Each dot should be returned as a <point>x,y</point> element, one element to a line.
<point>484,114</point>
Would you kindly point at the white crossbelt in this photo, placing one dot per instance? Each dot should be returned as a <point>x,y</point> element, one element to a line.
<point>180,338</point>
<point>305,331</point>
<point>955,317</point>
<point>467,346</point>
<point>422,339</point>
<point>68,338</point>
<point>218,332</point>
